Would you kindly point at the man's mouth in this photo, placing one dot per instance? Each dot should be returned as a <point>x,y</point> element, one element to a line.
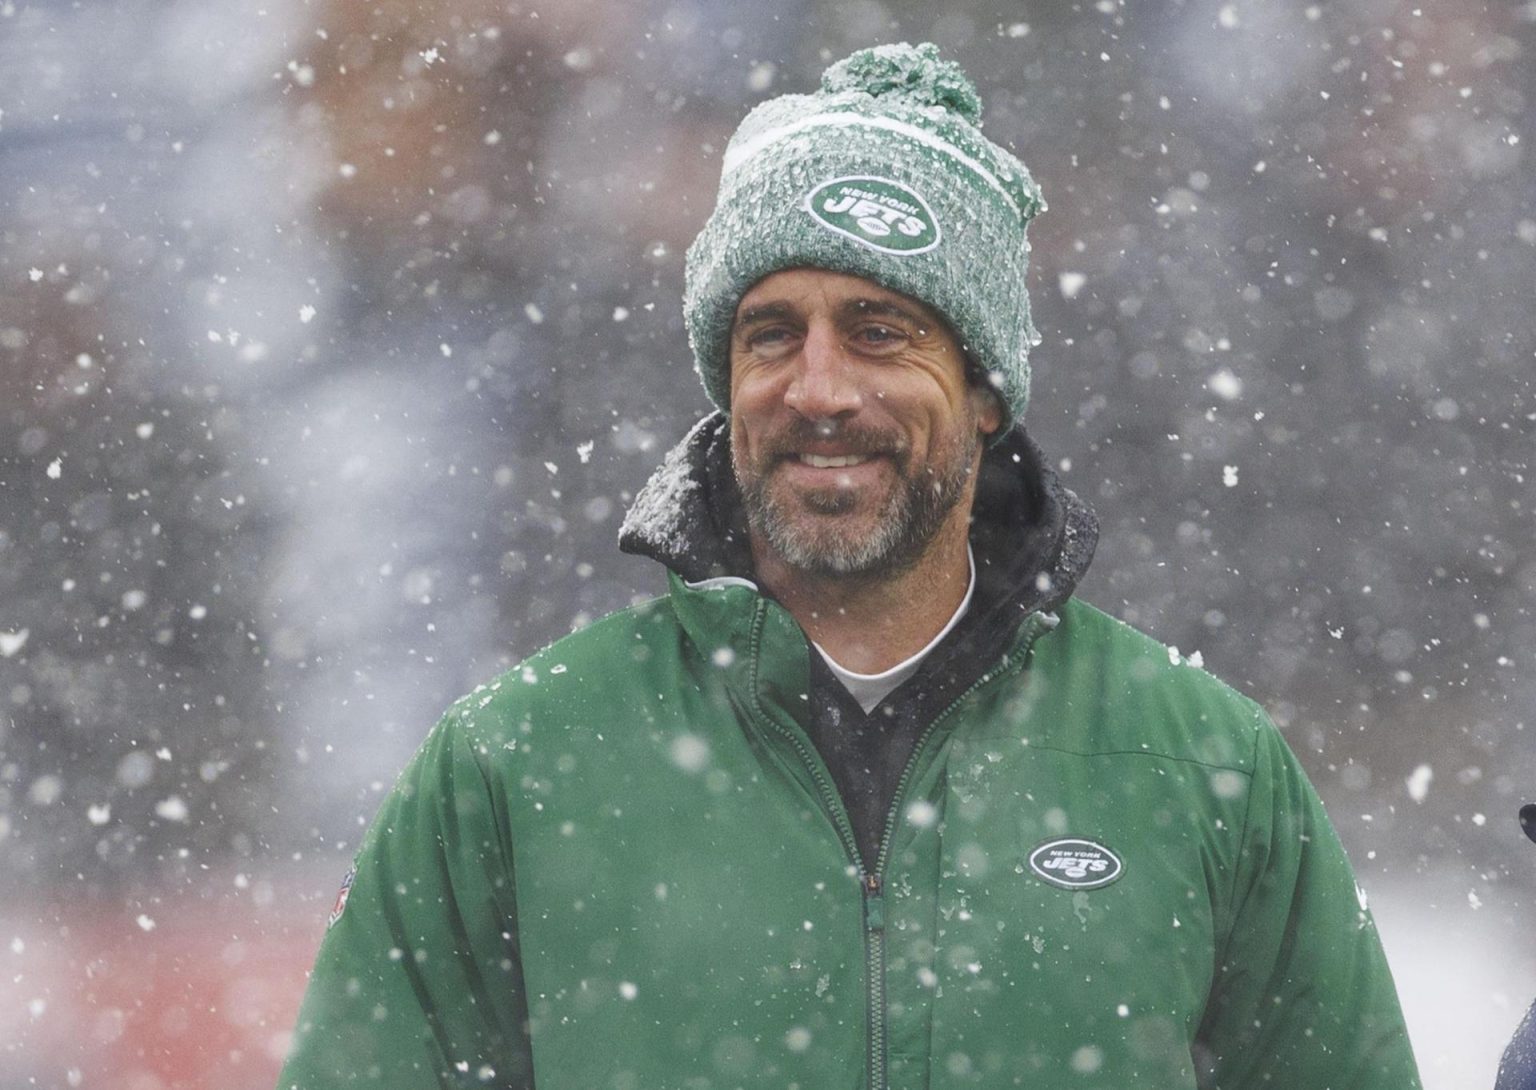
<point>834,461</point>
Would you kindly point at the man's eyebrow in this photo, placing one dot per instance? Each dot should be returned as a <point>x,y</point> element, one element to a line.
<point>767,312</point>
<point>880,308</point>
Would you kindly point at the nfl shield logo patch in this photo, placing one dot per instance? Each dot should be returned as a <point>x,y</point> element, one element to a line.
<point>341,898</point>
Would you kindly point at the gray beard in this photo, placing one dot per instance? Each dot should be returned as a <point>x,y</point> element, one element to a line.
<point>816,544</point>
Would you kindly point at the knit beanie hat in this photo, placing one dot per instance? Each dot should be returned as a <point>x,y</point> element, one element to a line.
<point>884,174</point>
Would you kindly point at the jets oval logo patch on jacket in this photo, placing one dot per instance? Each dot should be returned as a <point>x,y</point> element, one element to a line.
<point>1074,863</point>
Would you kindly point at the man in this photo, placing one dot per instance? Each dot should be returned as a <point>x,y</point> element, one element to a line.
<point>868,800</point>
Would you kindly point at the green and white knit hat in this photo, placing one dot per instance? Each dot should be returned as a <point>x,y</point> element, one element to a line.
<point>883,173</point>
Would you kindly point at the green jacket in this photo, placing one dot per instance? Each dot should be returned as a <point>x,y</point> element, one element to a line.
<point>623,865</point>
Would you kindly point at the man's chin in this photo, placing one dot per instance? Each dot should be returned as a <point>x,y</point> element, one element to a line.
<point>845,542</point>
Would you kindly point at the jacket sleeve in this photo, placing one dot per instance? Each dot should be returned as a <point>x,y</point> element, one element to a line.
<point>418,982</point>
<point>1302,996</point>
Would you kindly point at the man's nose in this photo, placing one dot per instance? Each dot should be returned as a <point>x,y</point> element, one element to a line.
<point>824,384</point>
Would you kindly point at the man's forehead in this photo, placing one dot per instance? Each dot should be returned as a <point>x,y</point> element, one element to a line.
<point>800,287</point>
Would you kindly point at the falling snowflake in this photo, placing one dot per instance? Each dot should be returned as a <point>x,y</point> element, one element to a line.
<point>690,752</point>
<point>1418,782</point>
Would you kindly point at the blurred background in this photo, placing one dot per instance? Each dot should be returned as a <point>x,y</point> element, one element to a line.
<point>336,337</point>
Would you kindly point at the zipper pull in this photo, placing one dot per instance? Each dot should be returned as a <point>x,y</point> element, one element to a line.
<point>874,903</point>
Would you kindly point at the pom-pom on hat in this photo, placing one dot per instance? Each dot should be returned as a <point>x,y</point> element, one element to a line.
<point>883,173</point>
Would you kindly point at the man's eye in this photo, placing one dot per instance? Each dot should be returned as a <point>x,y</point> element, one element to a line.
<point>878,335</point>
<point>767,338</point>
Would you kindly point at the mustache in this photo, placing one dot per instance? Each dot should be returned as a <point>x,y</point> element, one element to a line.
<point>802,434</point>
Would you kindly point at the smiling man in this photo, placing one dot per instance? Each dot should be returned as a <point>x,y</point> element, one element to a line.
<point>870,799</point>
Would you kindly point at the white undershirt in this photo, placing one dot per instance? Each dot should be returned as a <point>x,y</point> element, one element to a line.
<point>870,689</point>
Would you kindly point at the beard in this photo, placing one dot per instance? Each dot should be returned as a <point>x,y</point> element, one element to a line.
<point>821,532</point>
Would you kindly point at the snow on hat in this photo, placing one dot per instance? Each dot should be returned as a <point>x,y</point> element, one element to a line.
<point>884,174</point>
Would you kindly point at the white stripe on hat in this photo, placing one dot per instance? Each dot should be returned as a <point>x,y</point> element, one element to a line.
<point>738,156</point>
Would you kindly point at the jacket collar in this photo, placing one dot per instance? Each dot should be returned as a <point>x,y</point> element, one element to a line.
<point>1031,536</point>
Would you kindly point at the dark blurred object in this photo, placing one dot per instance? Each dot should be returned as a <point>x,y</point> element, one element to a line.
<point>1517,1070</point>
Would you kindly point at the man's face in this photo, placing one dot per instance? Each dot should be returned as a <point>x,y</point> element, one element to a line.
<point>855,434</point>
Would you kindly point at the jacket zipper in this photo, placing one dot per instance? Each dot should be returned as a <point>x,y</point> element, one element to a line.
<point>872,884</point>
<point>874,967</point>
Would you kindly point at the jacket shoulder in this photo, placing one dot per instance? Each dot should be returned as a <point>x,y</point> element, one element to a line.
<point>599,668</point>
<point>1131,693</point>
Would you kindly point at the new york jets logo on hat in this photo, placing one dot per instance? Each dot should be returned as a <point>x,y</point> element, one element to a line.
<point>878,212</point>
<point>1074,863</point>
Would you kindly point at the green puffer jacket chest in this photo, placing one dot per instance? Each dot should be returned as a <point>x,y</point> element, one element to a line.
<point>690,912</point>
